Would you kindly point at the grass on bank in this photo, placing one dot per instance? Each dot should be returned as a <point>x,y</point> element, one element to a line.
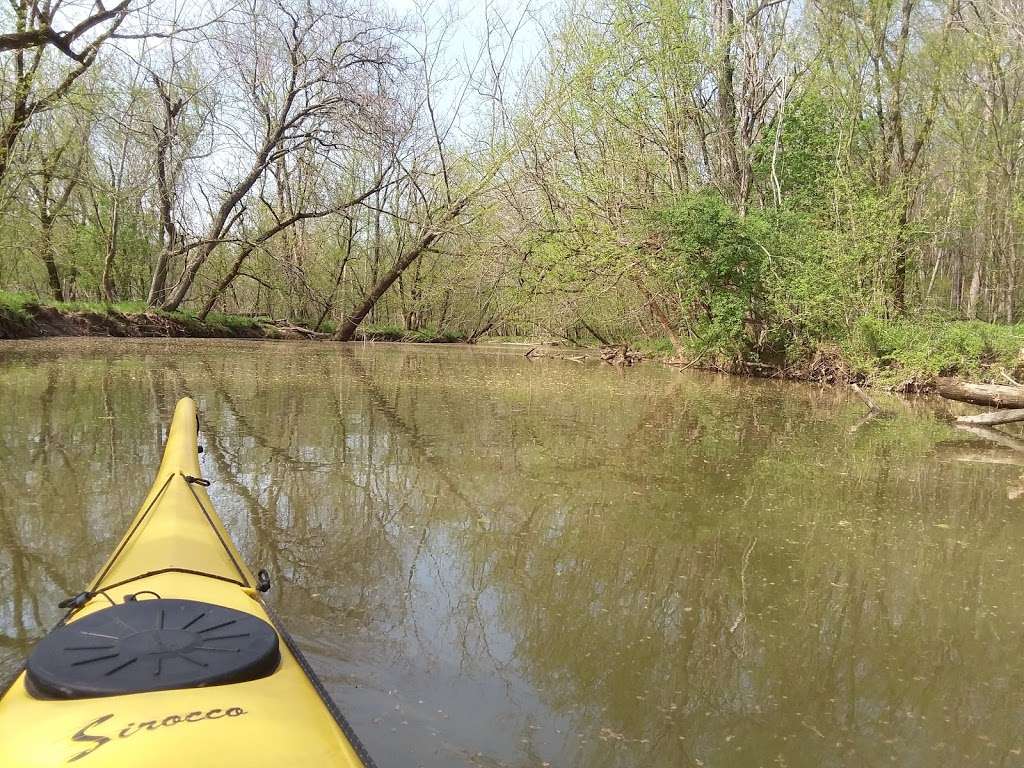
<point>20,305</point>
<point>16,307</point>
<point>98,307</point>
<point>890,352</point>
<point>217,321</point>
<point>20,308</point>
<point>894,352</point>
<point>392,332</point>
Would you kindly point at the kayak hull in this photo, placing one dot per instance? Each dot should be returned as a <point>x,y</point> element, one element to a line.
<point>177,548</point>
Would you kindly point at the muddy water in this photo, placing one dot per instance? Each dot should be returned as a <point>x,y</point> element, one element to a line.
<point>493,562</point>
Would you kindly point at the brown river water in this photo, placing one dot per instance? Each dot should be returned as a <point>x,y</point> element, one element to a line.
<point>497,562</point>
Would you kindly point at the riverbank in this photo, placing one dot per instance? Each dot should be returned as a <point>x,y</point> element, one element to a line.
<point>898,355</point>
<point>901,355</point>
<point>23,317</point>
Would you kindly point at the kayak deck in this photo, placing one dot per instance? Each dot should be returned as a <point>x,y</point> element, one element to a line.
<point>177,548</point>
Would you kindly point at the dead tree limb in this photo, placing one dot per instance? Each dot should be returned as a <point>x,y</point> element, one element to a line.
<point>992,395</point>
<point>871,404</point>
<point>991,418</point>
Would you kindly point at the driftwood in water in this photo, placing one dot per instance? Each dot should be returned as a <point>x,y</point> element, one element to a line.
<point>980,457</point>
<point>993,395</point>
<point>992,418</point>
<point>1007,441</point>
<point>290,329</point>
<point>871,404</point>
<point>620,355</point>
<point>1010,399</point>
<point>617,355</point>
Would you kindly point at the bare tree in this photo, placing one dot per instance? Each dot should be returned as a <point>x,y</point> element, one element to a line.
<point>33,90</point>
<point>182,118</point>
<point>441,197</point>
<point>35,22</point>
<point>52,185</point>
<point>305,76</point>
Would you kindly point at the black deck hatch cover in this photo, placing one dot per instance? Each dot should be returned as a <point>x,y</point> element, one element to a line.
<point>152,645</point>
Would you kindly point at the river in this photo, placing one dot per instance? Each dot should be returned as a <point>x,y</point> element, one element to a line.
<point>498,562</point>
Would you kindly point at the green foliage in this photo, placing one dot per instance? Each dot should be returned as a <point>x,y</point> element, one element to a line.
<point>656,347</point>
<point>769,285</point>
<point>810,283</point>
<point>780,286</point>
<point>381,332</point>
<point>714,258</point>
<point>432,336</point>
<point>801,149</point>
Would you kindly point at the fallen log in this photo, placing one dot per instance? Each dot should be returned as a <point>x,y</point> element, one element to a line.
<point>992,395</point>
<point>991,418</point>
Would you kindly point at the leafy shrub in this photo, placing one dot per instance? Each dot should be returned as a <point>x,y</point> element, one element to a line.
<point>715,259</point>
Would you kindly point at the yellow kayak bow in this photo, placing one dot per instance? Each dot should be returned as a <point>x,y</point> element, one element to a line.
<point>171,658</point>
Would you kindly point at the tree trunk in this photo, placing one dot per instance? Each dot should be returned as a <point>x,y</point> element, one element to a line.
<point>226,281</point>
<point>899,283</point>
<point>158,283</point>
<point>180,291</point>
<point>107,280</point>
<point>725,104</point>
<point>974,292</point>
<point>46,251</point>
<point>1011,289</point>
<point>590,329</point>
<point>662,318</point>
<point>432,235</point>
<point>338,277</point>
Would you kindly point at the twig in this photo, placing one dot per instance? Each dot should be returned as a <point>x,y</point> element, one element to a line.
<point>1009,378</point>
<point>871,404</point>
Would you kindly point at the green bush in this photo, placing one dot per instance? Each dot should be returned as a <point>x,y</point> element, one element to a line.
<point>381,332</point>
<point>768,285</point>
<point>715,259</point>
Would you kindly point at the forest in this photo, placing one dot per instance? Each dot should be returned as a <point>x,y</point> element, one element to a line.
<point>806,185</point>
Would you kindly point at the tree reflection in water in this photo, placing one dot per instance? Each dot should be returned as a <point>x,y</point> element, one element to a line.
<point>500,563</point>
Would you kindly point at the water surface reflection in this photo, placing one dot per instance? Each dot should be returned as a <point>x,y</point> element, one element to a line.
<point>494,562</point>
